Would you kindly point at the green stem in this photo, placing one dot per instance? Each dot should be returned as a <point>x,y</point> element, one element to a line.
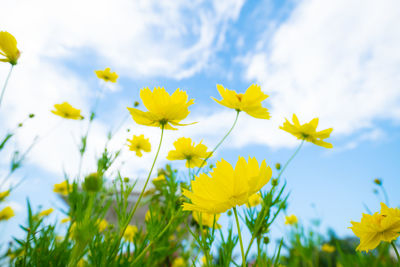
<point>290,159</point>
<point>397,253</point>
<point>5,84</point>
<point>220,142</point>
<point>240,238</point>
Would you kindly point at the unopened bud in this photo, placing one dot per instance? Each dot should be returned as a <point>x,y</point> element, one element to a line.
<point>93,182</point>
<point>266,240</point>
<point>274,182</point>
<point>378,181</point>
<point>136,103</point>
<point>278,166</point>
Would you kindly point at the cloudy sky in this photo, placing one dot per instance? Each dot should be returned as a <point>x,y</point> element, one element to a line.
<point>336,60</point>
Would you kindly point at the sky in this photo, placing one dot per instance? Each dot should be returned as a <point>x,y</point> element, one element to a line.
<point>335,60</point>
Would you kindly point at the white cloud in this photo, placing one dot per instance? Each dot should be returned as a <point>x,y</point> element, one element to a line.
<point>337,60</point>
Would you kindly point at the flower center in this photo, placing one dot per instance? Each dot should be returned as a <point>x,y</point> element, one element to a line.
<point>239,96</point>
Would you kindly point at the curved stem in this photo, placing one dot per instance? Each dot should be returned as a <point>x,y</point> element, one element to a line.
<point>240,238</point>
<point>290,159</point>
<point>397,252</point>
<point>220,142</point>
<point>5,84</point>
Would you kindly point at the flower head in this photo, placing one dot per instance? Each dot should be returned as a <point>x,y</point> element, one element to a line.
<point>291,219</point>
<point>66,111</point>
<point>130,232</point>
<point>207,219</point>
<point>139,143</point>
<point>159,179</point>
<point>383,226</point>
<point>62,188</point>
<point>179,262</point>
<point>4,194</point>
<point>328,248</point>
<point>107,75</point>
<point>65,220</point>
<point>378,181</point>
<point>185,149</point>
<point>227,187</point>
<point>164,110</point>
<point>45,213</point>
<point>307,131</point>
<point>254,200</point>
<point>102,225</point>
<point>8,48</point>
<point>249,102</point>
<point>6,213</point>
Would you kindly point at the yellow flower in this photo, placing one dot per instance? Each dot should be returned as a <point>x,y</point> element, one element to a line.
<point>249,102</point>
<point>159,179</point>
<point>4,194</point>
<point>179,262</point>
<point>62,188</point>
<point>164,110</point>
<point>6,213</point>
<point>207,219</point>
<point>328,248</point>
<point>102,225</point>
<point>66,111</point>
<point>254,200</point>
<point>65,220</point>
<point>227,187</point>
<point>373,229</point>
<point>307,131</point>
<point>130,232</point>
<point>185,149</point>
<point>8,48</point>
<point>139,143</point>
<point>46,212</point>
<point>107,75</point>
<point>291,219</point>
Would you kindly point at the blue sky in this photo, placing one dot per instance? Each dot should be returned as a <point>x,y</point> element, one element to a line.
<point>336,60</point>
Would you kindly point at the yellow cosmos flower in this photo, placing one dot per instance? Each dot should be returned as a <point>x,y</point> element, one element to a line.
<point>254,200</point>
<point>130,232</point>
<point>65,220</point>
<point>62,188</point>
<point>4,194</point>
<point>328,248</point>
<point>227,187</point>
<point>159,179</point>
<point>179,262</point>
<point>139,143</point>
<point>308,131</point>
<point>6,213</point>
<point>45,213</point>
<point>8,48</point>
<point>185,149</point>
<point>383,226</point>
<point>207,219</point>
<point>249,102</point>
<point>291,219</point>
<point>66,111</point>
<point>102,225</point>
<point>164,110</point>
<point>107,75</point>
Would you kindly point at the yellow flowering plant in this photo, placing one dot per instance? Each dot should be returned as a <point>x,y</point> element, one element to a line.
<point>139,143</point>
<point>186,149</point>
<point>66,111</point>
<point>106,75</point>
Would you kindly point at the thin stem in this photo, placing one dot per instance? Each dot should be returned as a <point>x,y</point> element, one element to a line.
<point>240,238</point>
<point>385,194</point>
<point>290,159</point>
<point>397,253</point>
<point>5,84</point>
<point>220,142</point>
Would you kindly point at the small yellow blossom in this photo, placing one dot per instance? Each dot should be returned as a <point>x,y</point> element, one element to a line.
<point>62,188</point>
<point>130,232</point>
<point>207,219</point>
<point>45,213</point>
<point>249,102</point>
<point>378,181</point>
<point>227,187</point>
<point>8,48</point>
<point>65,220</point>
<point>102,225</point>
<point>328,248</point>
<point>308,131</point>
<point>107,75</point>
<point>6,213</point>
<point>164,110</point>
<point>66,111</point>
<point>185,149</point>
<point>291,219</point>
<point>373,229</point>
<point>254,200</point>
<point>4,194</point>
<point>82,263</point>
<point>159,179</point>
<point>139,143</point>
<point>179,262</point>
